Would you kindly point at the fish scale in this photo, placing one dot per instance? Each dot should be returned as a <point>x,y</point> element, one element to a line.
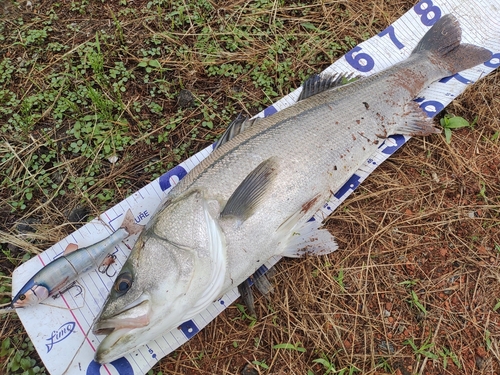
<point>334,131</point>
<point>253,197</point>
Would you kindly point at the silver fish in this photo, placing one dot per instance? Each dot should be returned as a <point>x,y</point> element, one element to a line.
<point>253,197</point>
<point>56,276</point>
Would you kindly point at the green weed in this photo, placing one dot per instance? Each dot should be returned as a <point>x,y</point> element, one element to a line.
<point>297,347</point>
<point>340,279</point>
<point>384,364</point>
<point>327,364</point>
<point>408,283</point>
<point>487,339</point>
<point>414,301</point>
<point>261,364</point>
<point>5,289</point>
<point>425,349</point>
<point>245,316</point>
<point>446,354</point>
<point>18,354</point>
<point>449,122</point>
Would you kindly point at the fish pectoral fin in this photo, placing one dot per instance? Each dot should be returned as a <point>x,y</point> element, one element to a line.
<point>309,239</point>
<point>416,122</point>
<point>247,196</point>
<point>238,126</point>
<point>317,84</point>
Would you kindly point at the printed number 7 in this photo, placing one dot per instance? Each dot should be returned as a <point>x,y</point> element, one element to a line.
<point>390,31</point>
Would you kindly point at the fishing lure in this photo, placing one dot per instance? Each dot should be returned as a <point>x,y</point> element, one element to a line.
<point>106,264</point>
<point>56,276</point>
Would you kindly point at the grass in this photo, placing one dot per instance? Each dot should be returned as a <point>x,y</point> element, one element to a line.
<point>91,110</point>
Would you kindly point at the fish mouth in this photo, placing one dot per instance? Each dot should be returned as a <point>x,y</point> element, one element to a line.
<point>115,345</point>
<point>130,317</point>
<point>121,330</point>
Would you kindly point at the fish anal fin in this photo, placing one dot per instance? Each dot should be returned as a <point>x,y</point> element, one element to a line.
<point>247,196</point>
<point>317,84</point>
<point>416,122</point>
<point>238,126</point>
<point>309,239</point>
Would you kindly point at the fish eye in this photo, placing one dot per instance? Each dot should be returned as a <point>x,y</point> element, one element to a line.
<point>123,283</point>
<point>22,297</point>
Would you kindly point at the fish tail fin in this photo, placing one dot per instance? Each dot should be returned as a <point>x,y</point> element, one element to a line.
<point>130,225</point>
<point>443,41</point>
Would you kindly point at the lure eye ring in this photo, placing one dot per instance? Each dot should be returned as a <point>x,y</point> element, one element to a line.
<point>123,283</point>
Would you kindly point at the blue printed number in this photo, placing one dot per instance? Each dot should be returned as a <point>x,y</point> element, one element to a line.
<point>432,107</point>
<point>177,172</point>
<point>428,12</point>
<point>458,77</point>
<point>121,365</point>
<point>362,61</point>
<point>189,329</point>
<point>390,31</point>
<point>397,141</point>
<point>491,64</point>
<point>351,184</point>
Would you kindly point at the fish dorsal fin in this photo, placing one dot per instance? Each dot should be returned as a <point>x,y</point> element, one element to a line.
<point>247,196</point>
<point>317,84</point>
<point>416,122</point>
<point>238,126</point>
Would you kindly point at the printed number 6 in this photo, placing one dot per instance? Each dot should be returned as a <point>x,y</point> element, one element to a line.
<point>362,61</point>
<point>424,12</point>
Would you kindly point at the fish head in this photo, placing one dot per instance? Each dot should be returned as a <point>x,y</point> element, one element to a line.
<point>31,294</point>
<point>162,282</point>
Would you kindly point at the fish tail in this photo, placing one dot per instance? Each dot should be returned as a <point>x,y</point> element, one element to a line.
<point>443,42</point>
<point>130,225</point>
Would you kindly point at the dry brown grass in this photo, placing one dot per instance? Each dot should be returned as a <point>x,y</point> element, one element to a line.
<point>420,217</point>
<point>427,221</point>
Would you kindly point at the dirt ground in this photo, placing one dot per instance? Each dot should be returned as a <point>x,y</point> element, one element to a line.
<point>415,285</point>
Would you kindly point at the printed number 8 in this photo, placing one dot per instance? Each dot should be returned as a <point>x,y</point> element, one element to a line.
<point>424,12</point>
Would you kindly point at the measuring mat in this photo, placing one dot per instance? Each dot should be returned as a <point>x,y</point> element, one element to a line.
<point>61,329</point>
